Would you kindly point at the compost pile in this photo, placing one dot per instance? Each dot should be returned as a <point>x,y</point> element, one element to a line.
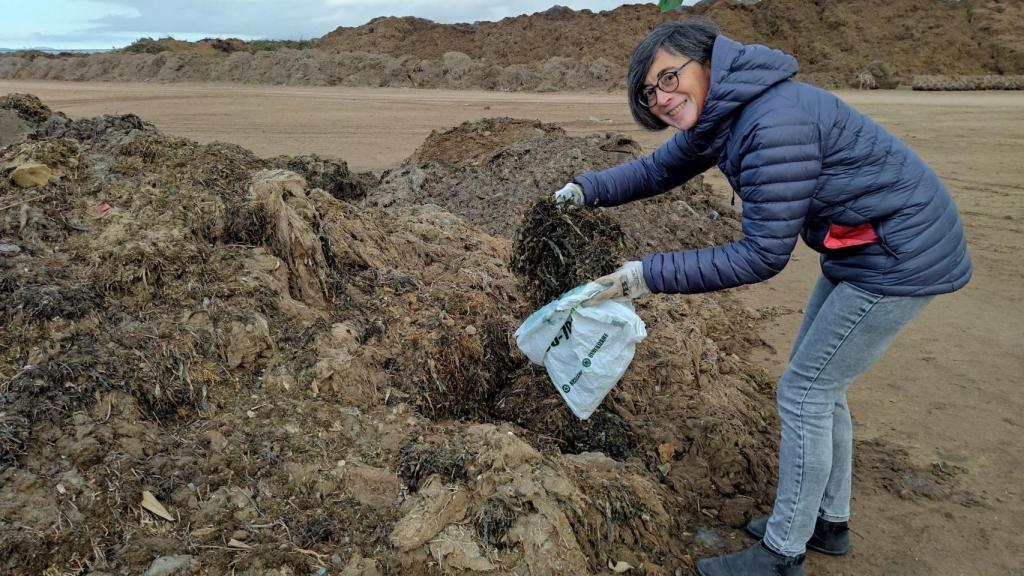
<point>491,171</point>
<point>302,368</point>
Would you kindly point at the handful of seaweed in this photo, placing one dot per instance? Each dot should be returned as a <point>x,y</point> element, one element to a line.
<point>555,250</point>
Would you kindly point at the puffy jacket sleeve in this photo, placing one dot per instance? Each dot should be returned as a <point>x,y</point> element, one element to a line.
<point>672,164</point>
<point>779,169</point>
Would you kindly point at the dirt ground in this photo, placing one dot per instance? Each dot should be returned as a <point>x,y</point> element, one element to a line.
<point>947,393</point>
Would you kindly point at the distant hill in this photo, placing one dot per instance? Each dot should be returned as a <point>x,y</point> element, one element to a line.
<point>837,43</point>
<point>839,38</point>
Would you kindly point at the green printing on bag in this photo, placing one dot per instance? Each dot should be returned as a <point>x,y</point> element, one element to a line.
<point>586,361</point>
<point>565,331</point>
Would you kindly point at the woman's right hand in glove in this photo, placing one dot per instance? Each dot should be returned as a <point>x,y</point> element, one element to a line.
<point>570,195</point>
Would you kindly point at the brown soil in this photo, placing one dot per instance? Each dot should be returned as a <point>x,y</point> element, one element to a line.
<point>937,420</point>
<point>837,44</point>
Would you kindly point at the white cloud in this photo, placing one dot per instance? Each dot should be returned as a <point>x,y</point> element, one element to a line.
<point>34,23</point>
<point>101,24</point>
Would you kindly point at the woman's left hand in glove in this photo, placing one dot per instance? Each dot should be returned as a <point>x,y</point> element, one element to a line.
<point>626,282</point>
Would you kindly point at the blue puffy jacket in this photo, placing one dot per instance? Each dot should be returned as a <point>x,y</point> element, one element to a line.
<point>804,163</point>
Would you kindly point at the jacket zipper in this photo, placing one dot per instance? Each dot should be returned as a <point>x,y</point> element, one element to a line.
<point>886,249</point>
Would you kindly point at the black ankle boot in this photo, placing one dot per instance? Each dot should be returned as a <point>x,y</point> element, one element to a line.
<point>757,560</point>
<point>832,538</point>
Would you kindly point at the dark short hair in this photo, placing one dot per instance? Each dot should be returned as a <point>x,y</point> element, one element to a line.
<point>690,38</point>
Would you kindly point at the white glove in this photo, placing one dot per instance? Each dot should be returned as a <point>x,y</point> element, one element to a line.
<point>626,282</point>
<point>570,195</point>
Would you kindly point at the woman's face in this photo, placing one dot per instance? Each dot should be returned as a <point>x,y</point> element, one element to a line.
<point>682,106</point>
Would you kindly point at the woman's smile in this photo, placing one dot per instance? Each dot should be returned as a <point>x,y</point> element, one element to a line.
<point>676,110</point>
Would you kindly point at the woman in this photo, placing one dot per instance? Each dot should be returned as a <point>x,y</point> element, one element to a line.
<point>804,163</point>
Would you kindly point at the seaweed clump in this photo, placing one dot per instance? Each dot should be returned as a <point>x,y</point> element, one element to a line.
<point>557,249</point>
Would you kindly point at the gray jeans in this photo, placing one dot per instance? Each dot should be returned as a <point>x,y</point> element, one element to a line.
<point>844,331</point>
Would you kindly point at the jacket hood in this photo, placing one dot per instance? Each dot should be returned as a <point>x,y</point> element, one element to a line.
<point>739,74</point>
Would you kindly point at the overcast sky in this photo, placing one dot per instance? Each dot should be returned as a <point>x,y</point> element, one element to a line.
<point>75,24</point>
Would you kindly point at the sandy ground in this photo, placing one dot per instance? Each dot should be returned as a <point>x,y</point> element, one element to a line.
<point>949,389</point>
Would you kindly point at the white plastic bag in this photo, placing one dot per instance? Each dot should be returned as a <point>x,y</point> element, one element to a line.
<point>586,349</point>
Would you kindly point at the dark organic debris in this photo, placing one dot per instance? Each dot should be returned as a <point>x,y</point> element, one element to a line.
<point>419,461</point>
<point>494,521</point>
<point>330,175</point>
<point>27,106</point>
<point>556,250</point>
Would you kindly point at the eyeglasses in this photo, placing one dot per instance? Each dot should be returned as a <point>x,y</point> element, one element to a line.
<point>668,80</point>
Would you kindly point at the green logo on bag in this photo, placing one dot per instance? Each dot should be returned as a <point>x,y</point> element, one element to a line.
<point>586,362</point>
<point>565,388</point>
